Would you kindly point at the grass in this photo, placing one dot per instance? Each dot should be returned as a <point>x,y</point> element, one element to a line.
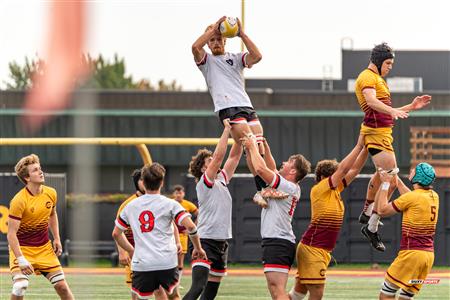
<point>111,287</point>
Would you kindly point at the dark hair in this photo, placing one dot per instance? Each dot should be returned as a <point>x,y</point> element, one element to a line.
<point>198,161</point>
<point>325,168</point>
<point>177,188</point>
<point>153,176</point>
<point>302,166</point>
<point>380,53</point>
<point>136,176</point>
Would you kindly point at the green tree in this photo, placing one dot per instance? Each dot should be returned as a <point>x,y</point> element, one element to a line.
<point>20,76</point>
<point>105,74</point>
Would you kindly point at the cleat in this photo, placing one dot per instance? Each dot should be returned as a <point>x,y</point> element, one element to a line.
<point>374,238</point>
<point>363,218</point>
<point>273,193</point>
<point>258,199</point>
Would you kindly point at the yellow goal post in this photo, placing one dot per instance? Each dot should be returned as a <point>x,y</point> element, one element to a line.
<point>140,143</point>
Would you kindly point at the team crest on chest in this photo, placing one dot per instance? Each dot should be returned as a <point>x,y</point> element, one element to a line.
<point>229,61</point>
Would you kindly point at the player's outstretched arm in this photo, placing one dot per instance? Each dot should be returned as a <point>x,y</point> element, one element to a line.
<point>357,166</point>
<point>402,188</point>
<point>198,252</point>
<point>54,228</point>
<point>268,157</point>
<point>197,47</point>
<point>219,153</point>
<point>371,98</point>
<point>382,207</point>
<point>259,165</point>
<point>347,163</point>
<point>122,241</point>
<point>233,160</point>
<point>418,103</point>
<point>13,242</point>
<point>253,56</point>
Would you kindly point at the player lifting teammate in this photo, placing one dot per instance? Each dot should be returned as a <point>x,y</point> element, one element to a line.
<point>223,72</point>
<point>32,212</point>
<point>278,239</point>
<point>154,257</point>
<point>327,215</point>
<point>214,218</point>
<point>375,100</point>
<point>420,209</point>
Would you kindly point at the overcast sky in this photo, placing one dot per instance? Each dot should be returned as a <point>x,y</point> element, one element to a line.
<point>296,38</point>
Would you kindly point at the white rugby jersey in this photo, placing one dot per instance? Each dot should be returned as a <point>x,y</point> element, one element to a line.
<point>150,217</point>
<point>276,219</point>
<point>225,79</point>
<point>214,207</point>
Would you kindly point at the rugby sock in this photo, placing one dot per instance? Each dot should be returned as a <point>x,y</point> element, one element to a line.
<point>368,206</point>
<point>260,183</point>
<point>373,222</point>
<point>210,291</point>
<point>180,273</point>
<point>199,280</point>
<point>294,295</point>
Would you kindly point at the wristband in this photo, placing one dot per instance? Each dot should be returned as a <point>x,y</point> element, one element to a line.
<point>22,261</point>
<point>385,186</point>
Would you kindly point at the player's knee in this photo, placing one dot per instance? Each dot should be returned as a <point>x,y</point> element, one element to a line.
<point>315,291</point>
<point>388,289</point>
<point>20,286</point>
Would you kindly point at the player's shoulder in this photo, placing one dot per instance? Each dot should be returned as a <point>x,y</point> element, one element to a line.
<point>49,190</point>
<point>322,186</point>
<point>20,195</point>
<point>367,74</point>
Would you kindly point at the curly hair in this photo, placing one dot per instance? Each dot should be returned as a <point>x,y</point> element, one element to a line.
<point>198,161</point>
<point>21,167</point>
<point>302,166</point>
<point>153,176</point>
<point>325,168</point>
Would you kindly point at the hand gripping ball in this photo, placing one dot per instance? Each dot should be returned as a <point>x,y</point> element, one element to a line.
<point>229,27</point>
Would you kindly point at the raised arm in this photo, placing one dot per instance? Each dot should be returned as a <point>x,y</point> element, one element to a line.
<point>197,47</point>
<point>357,166</point>
<point>253,56</point>
<point>268,157</point>
<point>402,188</point>
<point>383,208</point>
<point>418,103</point>
<point>347,163</point>
<point>371,98</point>
<point>233,160</point>
<point>258,162</point>
<point>219,153</point>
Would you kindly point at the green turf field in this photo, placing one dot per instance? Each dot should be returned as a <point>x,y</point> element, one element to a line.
<point>234,287</point>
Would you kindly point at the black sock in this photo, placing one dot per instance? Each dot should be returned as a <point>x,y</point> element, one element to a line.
<point>199,280</point>
<point>260,183</point>
<point>210,291</point>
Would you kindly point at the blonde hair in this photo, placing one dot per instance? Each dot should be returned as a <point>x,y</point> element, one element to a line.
<point>21,167</point>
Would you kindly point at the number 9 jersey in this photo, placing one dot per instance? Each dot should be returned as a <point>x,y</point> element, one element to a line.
<point>150,217</point>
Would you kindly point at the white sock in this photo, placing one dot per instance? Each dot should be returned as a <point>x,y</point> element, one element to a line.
<point>296,295</point>
<point>180,273</point>
<point>369,209</point>
<point>373,222</point>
